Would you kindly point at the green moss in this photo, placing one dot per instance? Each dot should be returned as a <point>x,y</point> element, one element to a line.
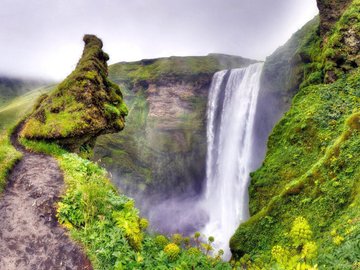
<point>123,110</point>
<point>339,54</point>
<point>111,111</point>
<point>90,75</point>
<point>85,103</point>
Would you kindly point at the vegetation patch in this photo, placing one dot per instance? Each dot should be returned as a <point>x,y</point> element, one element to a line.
<point>312,168</point>
<point>109,226</point>
<point>8,157</point>
<point>10,113</point>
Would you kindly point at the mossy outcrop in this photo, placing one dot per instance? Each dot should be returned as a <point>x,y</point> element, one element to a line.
<point>85,105</point>
<point>312,167</point>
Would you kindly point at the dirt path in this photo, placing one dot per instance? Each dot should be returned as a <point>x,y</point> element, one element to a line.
<point>30,237</point>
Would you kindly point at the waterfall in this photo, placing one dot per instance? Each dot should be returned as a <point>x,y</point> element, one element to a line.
<point>230,120</point>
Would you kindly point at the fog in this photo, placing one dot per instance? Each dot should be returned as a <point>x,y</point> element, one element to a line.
<point>41,38</point>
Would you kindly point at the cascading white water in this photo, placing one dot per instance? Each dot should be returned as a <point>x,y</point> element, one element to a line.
<point>230,120</point>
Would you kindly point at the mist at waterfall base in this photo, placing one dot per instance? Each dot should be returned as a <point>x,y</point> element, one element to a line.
<point>233,146</point>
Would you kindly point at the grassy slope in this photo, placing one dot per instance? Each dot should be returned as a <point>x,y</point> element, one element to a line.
<point>8,157</point>
<point>18,107</point>
<point>11,87</point>
<point>312,167</point>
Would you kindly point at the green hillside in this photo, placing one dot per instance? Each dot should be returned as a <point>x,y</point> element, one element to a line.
<point>312,167</point>
<point>11,87</point>
<point>17,107</point>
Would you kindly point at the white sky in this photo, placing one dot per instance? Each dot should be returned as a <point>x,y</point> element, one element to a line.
<point>43,38</point>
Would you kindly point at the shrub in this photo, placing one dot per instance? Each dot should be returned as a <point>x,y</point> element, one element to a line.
<point>302,250</point>
<point>300,231</point>
<point>177,238</point>
<point>161,241</point>
<point>129,223</point>
<point>193,251</point>
<point>144,223</point>
<point>172,251</point>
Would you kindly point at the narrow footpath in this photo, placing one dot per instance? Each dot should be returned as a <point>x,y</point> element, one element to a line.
<point>30,236</point>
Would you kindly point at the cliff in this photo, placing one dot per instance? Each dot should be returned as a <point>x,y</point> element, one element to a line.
<point>282,75</point>
<point>312,168</point>
<point>85,105</point>
<point>341,45</point>
<point>163,148</point>
<point>330,13</point>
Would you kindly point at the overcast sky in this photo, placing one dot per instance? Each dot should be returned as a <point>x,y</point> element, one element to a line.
<point>43,38</point>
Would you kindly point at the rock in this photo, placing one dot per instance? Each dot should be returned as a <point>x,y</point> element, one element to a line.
<point>330,12</point>
<point>343,44</point>
<point>85,105</point>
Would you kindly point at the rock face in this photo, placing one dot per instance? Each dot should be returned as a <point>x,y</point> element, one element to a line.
<point>342,50</point>
<point>282,74</point>
<point>85,105</point>
<point>330,12</point>
<point>163,148</point>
